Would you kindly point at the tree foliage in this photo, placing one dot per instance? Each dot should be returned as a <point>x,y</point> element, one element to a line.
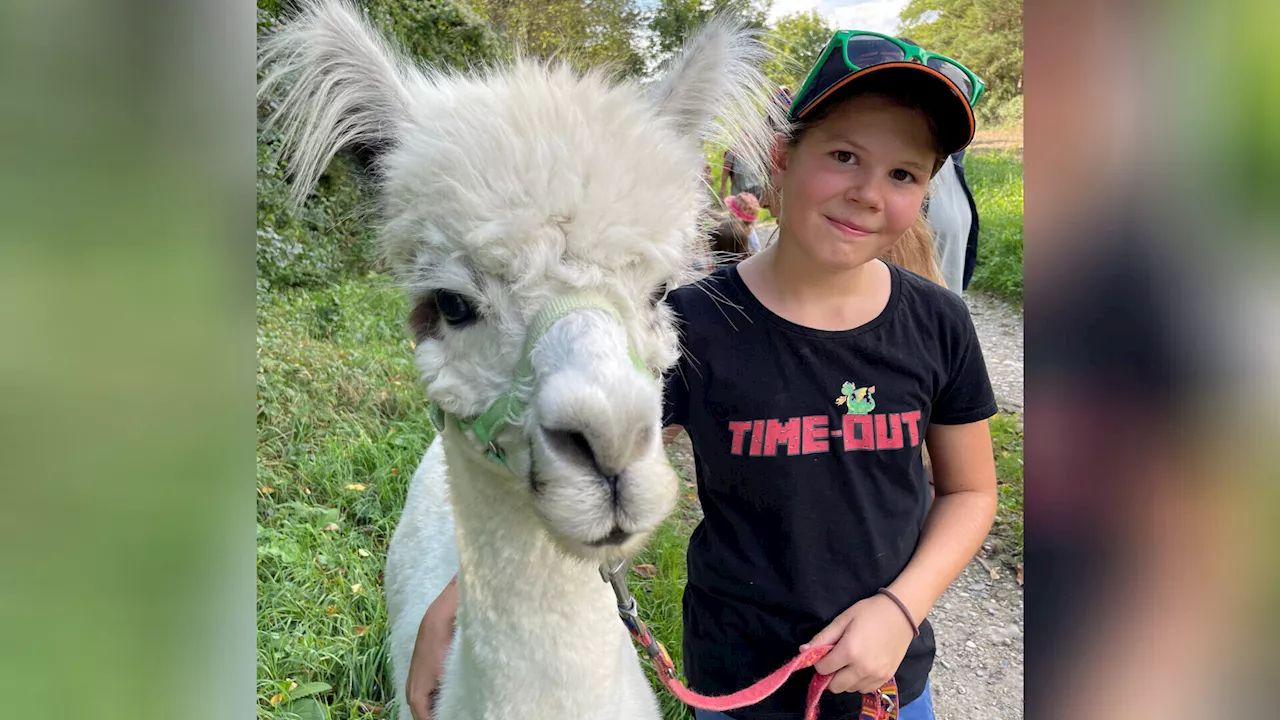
<point>324,240</point>
<point>798,40</point>
<point>588,33</point>
<point>445,33</point>
<point>985,35</point>
<point>442,32</point>
<point>673,21</point>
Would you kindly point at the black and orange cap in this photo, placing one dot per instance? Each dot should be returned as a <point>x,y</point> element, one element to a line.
<point>941,99</point>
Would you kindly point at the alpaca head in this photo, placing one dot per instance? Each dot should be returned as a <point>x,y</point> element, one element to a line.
<point>506,193</point>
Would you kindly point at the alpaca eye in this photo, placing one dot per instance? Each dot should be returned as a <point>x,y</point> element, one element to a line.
<point>455,309</point>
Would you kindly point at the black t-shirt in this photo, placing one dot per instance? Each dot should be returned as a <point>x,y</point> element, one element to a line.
<point>808,452</point>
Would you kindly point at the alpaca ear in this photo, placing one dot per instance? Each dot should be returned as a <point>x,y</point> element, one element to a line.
<point>714,90</point>
<point>342,85</point>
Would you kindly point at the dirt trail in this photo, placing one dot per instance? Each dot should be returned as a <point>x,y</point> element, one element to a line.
<point>999,326</point>
<point>1008,138</point>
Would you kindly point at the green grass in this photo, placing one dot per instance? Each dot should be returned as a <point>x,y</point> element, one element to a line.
<point>996,181</point>
<point>659,597</point>
<point>337,407</point>
<point>1006,442</point>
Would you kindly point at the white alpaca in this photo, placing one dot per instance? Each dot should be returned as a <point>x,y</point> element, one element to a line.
<point>529,196</point>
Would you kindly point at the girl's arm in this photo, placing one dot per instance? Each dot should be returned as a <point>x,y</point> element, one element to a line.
<point>873,635</point>
<point>964,479</point>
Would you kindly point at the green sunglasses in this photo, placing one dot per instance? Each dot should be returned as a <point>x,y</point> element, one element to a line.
<point>861,49</point>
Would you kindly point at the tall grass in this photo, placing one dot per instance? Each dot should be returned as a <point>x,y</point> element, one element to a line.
<point>996,181</point>
<point>341,427</point>
<point>1006,443</point>
<point>659,599</point>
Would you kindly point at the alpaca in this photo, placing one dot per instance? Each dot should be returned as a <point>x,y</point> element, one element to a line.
<point>536,217</point>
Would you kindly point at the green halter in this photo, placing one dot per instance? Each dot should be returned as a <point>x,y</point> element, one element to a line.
<point>511,405</point>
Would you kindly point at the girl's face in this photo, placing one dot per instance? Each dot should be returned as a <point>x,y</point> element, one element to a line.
<point>854,183</point>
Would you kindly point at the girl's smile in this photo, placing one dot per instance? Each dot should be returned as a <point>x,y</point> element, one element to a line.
<point>849,228</point>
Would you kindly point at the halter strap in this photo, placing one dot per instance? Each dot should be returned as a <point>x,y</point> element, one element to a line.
<point>512,404</point>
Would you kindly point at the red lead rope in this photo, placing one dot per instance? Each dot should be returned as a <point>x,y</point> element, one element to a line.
<point>880,705</point>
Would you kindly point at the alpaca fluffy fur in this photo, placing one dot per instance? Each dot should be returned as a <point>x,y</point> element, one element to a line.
<point>512,188</point>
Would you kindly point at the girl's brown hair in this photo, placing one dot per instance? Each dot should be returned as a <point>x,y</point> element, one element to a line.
<point>914,251</point>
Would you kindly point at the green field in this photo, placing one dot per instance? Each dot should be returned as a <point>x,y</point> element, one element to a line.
<point>341,426</point>
<point>996,181</point>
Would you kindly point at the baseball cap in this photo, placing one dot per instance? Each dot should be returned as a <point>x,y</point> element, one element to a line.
<point>857,61</point>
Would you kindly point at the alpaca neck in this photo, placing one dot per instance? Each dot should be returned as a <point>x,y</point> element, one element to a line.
<point>534,624</point>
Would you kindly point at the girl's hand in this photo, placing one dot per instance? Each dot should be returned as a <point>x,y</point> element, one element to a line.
<point>870,639</point>
<point>435,634</point>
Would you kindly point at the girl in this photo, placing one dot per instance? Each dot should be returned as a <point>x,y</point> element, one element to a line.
<point>807,421</point>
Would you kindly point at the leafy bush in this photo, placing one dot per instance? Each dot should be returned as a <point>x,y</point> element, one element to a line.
<point>999,114</point>
<point>322,242</point>
<point>444,33</point>
<point>327,240</point>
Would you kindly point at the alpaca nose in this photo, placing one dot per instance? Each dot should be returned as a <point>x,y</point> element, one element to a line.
<point>594,408</point>
<point>574,446</point>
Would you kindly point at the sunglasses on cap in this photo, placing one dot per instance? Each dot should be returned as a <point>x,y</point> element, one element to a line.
<point>854,50</point>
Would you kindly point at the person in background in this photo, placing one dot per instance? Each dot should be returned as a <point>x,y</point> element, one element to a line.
<point>744,209</point>
<point>734,239</point>
<point>737,177</point>
<point>728,245</point>
<point>971,248</point>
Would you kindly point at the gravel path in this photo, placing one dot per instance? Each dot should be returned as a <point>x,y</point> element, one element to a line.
<point>978,629</point>
<point>978,621</point>
<point>999,326</point>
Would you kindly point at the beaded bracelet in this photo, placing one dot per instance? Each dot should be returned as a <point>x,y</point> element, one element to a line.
<point>915,630</point>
